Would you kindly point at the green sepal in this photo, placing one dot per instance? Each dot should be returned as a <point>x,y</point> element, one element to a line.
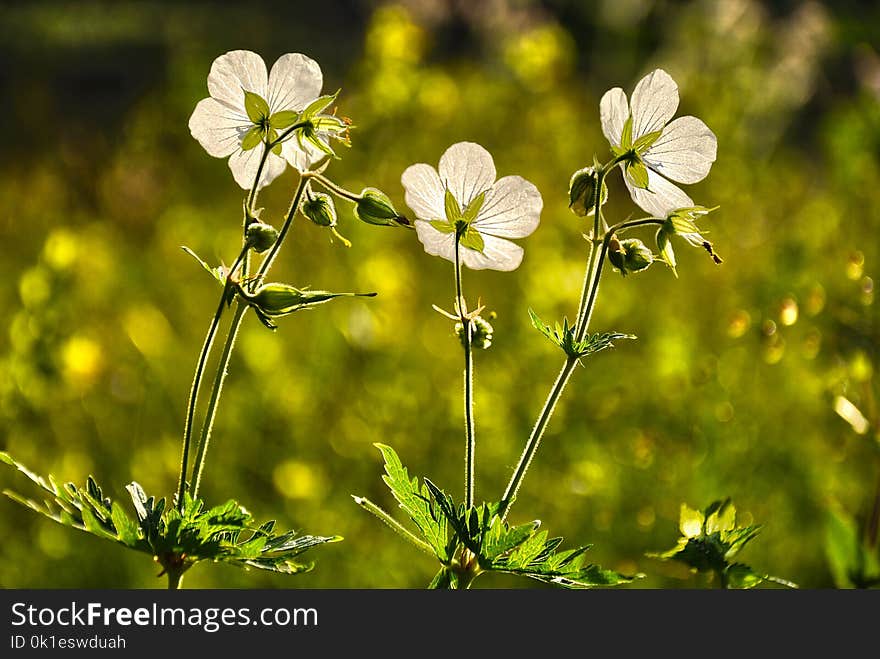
<point>474,208</point>
<point>443,226</point>
<point>453,210</point>
<point>472,239</point>
<point>283,119</point>
<point>626,135</point>
<point>664,249</point>
<point>319,105</point>
<point>646,141</point>
<point>256,107</point>
<point>637,173</point>
<point>252,138</point>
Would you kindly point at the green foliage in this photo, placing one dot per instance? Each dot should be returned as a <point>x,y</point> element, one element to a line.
<point>470,541</point>
<point>709,541</point>
<point>564,337</point>
<point>854,562</point>
<point>177,539</point>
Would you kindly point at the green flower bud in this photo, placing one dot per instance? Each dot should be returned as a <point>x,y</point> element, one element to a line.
<point>261,236</point>
<point>629,255</point>
<point>582,192</point>
<point>481,332</point>
<point>374,207</point>
<point>275,299</point>
<point>320,209</point>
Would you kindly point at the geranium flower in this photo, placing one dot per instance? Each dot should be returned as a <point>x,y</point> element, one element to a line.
<point>658,151</point>
<point>248,107</point>
<point>463,196</point>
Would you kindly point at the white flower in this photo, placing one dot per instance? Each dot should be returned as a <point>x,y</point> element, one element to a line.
<point>247,106</point>
<point>681,151</point>
<point>465,196</point>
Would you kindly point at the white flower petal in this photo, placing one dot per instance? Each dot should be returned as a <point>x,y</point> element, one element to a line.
<point>613,111</point>
<point>235,71</point>
<point>654,102</point>
<point>218,128</point>
<point>497,254</point>
<point>424,191</point>
<point>511,209</point>
<point>661,197</point>
<point>301,158</point>
<point>436,242</point>
<point>294,82</point>
<point>244,165</point>
<point>685,151</point>
<point>466,169</point>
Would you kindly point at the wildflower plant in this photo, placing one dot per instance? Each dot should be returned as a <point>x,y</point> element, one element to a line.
<point>710,540</point>
<point>463,214</point>
<point>262,122</point>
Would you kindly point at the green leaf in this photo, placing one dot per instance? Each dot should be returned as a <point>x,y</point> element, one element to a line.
<point>501,538</point>
<point>443,226</point>
<point>214,272</point>
<point>646,141</point>
<point>536,557</point>
<point>564,337</point>
<point>843,548</point>
<point>252,138</point>
<point>742,576</point>
<point>637,173</point>
<point>722,517</point>
<point>415,501</point>
<point>453,210</point>
<point>283,119</point>
<point>126,528</point>
<point>256,107</point>
<point>472,239</point>
<point>690,522</point>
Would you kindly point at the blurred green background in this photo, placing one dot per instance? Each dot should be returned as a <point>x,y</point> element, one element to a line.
<point>729,390</point>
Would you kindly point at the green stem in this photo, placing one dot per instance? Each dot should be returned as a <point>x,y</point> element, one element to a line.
<point>240,310</point>
<point>470,438</point>
<point>589,292</point>
<point>584,304</point>
<point>285,228</point>
<point>337,190</point>
<point>197,379</point>
<point>175,579</point>
<point>216,389</point>
<point>535,437</point>
<point>393,524</point>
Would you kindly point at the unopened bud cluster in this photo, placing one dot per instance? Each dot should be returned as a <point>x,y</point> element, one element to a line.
<point>629,255</point>
<point>481,332</point>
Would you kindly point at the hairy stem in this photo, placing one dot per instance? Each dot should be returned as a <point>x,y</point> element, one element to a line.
<point>240,310</point>
<point>587,303</point>
<point>470,439</point>
<point>393,524</point>
<point>243,261</point>
<point>197,380</point>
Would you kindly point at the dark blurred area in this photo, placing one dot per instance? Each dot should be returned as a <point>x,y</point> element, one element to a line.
<point>755,379</point>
